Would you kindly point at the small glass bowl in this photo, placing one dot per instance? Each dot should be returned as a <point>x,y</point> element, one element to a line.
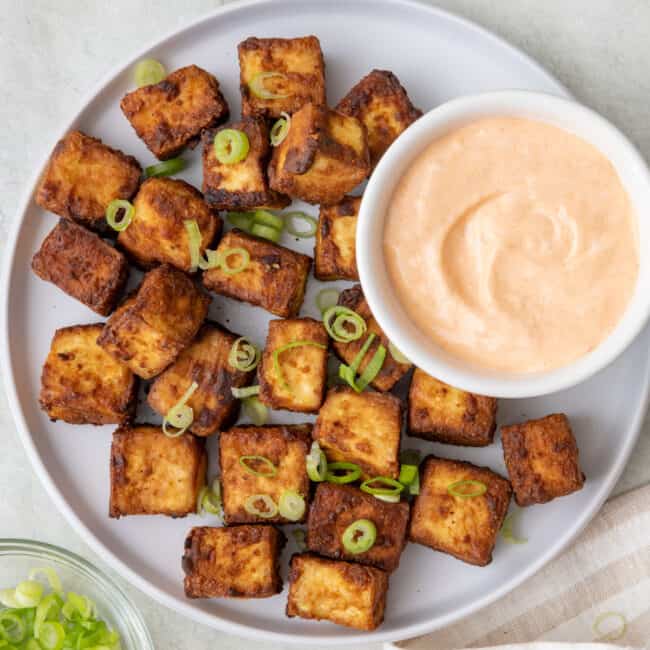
<point>19,556</point>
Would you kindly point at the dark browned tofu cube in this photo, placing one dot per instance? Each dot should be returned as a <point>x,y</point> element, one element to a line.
<point>233,562</point>
<point>323,157</point>
<point>83,176</point>
<point>542,459</point>
<point>440,412</point>
<point>170,115</point>
<point>285,447</point>
<point>83,384</point>
<point>392,370</point>
<point>243,185</point>
<point>153,326</point>
<point>83,265</point>
<point>152,474</point>
<point>362,428</point>
<point>347,594</point>
<point>335,255</point>
<point>205,362</point>
<point>292,69</point>
<point>302,381</point>
<point>274,279</point>
<point>157,233</point>
<point>460,509</point>
<point>381,103</point>
<point>335,507</point>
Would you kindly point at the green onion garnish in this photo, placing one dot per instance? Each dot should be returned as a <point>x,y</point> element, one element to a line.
<point>243,356</point>
<point>351,472</point>
<point>266,218</point>
<point>467,489</point>
<point>194,240</point>
<point>50,574</point>
<point>210,499</point>
<point>256,85</point>
<point>359,536</point>
<point>327,298</point>
<point>407,474</point>
<point>389,498</point>
<point>266,232</point>
<point>348,373</point>
<point>394,487</point>
<point>316,463</point>
<point>396,354</point>
<point>269,510</point>
<point>280,129</point>
<point>308,219</point>
<point>165,168</point>
<point>291,505</point>
<point>241,220</point>
<point>336,320</point>
<point>299,536</point>
<point>149,71</point>
<point>289,346</point>
<point>180,416</point>
<point>507,532</point>
<point>231,146</point>
<point>612,635</point>
<point>243,393</point>
<point>414,487</point>
<point>255,410</point>
<point>249,463</point>
<point>114,208</point>
<point>222,260</point>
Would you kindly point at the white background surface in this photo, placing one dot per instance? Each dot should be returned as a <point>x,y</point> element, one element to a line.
<point>53,51</point>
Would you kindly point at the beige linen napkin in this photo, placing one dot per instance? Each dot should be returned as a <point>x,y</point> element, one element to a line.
<point>596,593</point>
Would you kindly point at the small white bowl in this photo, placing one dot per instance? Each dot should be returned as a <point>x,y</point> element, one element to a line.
<point>377,287</point>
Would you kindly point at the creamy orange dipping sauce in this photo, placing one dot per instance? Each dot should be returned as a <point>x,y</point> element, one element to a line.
<point>512,244</point>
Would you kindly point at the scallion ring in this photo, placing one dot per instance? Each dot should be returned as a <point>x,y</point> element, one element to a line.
<point>223,256</point>
<point>303,216</point>
<point>270,470</point>
<point>50,574</point>
<point>257,87</point>
<point>267,218</point>
<point>165,168</point>
<point>612,635</point>
<point>28,593</point>
<point>256,411</point>
<point>337,318</point>
<point>114,208</point>
<point>407,474</point>
<point>12,627</point>
<point>180,416</point>
<point>244,356</point>
<point>51,635</point>
<point>289,346</point>
<point>327,298</point>
<point>266,232</point>
<point>351,472</point>
<point>212,260</point>
<point>316,463</point>
<point>371,370</point>
<point>458,489</point>
<point>414,487</point>
<point>210,499</point>
<point>241,220</point>
<point>269,510</point>
<point>243,393</point>
<point>394,487</point>
<point>396,354</point>
<point>291,505</point>
<point>389,498</point>
<point>48,609</point>
<point>280,129</point>
<point>148,72</point>
<point>359,536</point>
<point>231,146</point>
<point>194,241</point>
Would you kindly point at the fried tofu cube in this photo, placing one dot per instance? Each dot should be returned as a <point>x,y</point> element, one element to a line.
<point>347,594</point>
<point>362,428</point>
<point>542,459</point>
<point>336,507</point>
<point>335,256</point>
<point>157,233</point>
<point>83,176</point>
<point>290,67</point>
<point>243,185</point>
<point>153,326</point>
<point>233,562</point>
<point>303,380</point>
<point>274,279</point>
<point>381,103</point>
<point>170,115</point>
<point>442,413</point>
<point>83,265</point>
<point>205,362</point>
<point>462,526</point>
<point>392,370</point>
<point>152,474</point>
<point>82,384</point>
<point>285,446</point>
<point>323,157</point>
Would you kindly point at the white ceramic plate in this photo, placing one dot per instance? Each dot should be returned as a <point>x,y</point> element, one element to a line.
<point>437,57</point>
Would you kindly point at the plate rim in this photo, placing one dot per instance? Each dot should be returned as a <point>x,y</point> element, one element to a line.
<point>98,547</point>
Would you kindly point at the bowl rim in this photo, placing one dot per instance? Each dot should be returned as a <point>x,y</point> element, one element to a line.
<point>388,311</point>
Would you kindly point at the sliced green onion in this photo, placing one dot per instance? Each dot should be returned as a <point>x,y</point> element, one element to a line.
<point>389,498</point>
<point>327,298</point>
<point>266,232</point>
<point>337,318</point>
<point>243,356</point>
<point>28,593</point>
<point>48,609</point>
<point>612,635</point>
<point>222,260</point>
<point>261,461</point>
<point>359,536</point>
<point>348,373</point>
<point>165,168</point>
<point>194,239</point>
<point>52,635</point>
<point>299,536</point>
<point>303,216</point>
<point>507,532</point>
<point>291,505</point>
<point>414,488</point>
<point>266,218</point>
<point>316,463</point>
<point>396,354</point>
<point>210,499</point>
<point>231,146</point>
<point>256,85</point>
<point>459,489</point>
<point>8,598</point>
<point>241,220</point>
<point>211,261</point>
<point>243,393</point>
<point>289,346</point>
<point>12,627</point>
<point>280,129</point>
<point>407,474</point>
<point>78,607</point>
<point>50,574</point>
<point>351,472</point>
<point>394,487</point>
<point>270,509</point>
<point>148,72</point>
<point>114,208</point>
<point>255,410</point>
<point>180,416</point>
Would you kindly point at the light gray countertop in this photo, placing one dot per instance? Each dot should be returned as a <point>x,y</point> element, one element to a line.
<point>53,51</point>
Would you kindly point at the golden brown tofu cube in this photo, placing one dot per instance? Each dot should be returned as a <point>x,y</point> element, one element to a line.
<point>170,115</point>
<point>440,412</point>
<point>381,103</point>
<point>83,265</point>
<point>335,255</point>
<point>299,74</point>
<point>303,379</point>
<point>274,279</point>
<point>347,594</point>
<point>243,185</point>
<point>205,362</point>
<point>285,446</point>
<point>83,176</point>
<point>463,526</point>
<point>152,474</point>
<point>323,157</point>
<point>362,428</point>
<point>542,459</point>
<point>335,507</point>
<point>391,371</point>
<point>82,384</point>
<point>157,233</point>
<point>153,326</point>
<point>233,562</point>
